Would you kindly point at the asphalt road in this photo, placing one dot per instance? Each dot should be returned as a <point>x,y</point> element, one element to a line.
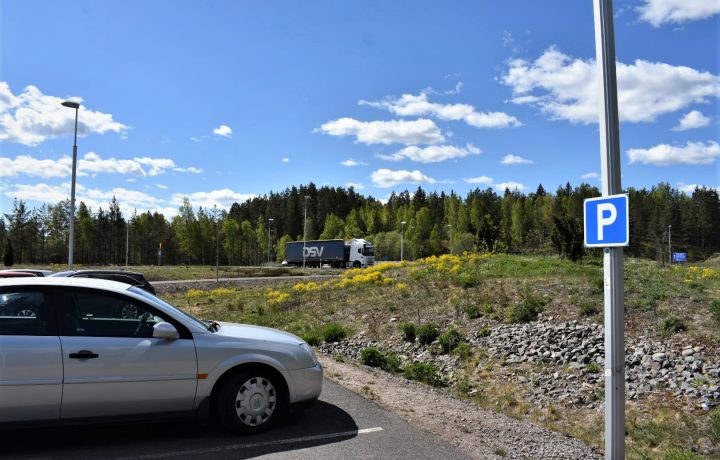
<point>342,425</point>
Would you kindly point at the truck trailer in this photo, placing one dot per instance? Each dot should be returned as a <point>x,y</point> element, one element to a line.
<point>355,253</point>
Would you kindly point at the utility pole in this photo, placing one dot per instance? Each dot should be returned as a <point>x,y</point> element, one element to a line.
<point>305,230</point>
<point>670,244</point>
<point>217,245</point>
<point>76,106</point>
<point>127,243</point>
<point>402,240</point>
<point>269,241</point>
<point>612,256</point>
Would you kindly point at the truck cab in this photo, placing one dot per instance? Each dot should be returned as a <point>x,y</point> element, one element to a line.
<point>361,253</point>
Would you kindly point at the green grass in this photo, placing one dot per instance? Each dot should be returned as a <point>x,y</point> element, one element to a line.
<point>513,287</point>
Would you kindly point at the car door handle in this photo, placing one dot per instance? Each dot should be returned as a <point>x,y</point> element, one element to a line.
<point>84,354</point>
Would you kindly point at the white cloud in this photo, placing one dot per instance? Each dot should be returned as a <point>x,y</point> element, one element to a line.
<point>351,163</point>
<point>658,12</point>
<point>223,130</point>
<point>690,188</point>
<point>191,170</point>
<point>355,185</point>
<point>161,186</point>
<point>90,163</point>
<point>388,178</point>
<point>27,165</point>
<point>223,198</point>
<point>515,160</point>
<point>422,131</point>
<point>692,120</point>
<point>194,139</point>
<point>566,88</point>
<point>409,105</point>
<point>694,153</point>
<point>482,180</point>
<point>128,200</point>
<point>32,117</point>
<point>433,153</point>
<point>591,175</point>
<point>501,186</point>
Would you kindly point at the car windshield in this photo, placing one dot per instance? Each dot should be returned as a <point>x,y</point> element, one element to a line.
<point>155,299</point>
<point>368,250</point>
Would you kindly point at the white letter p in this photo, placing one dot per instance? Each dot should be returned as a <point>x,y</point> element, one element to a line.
<point>603,221</point>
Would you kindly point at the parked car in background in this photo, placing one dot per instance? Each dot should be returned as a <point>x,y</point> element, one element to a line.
<point>75,358</point>
<point>34,271</point>
<point>12,274</point>
<point>121,276</point>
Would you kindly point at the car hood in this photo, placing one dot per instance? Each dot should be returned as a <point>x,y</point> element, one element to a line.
<point>246,331</point>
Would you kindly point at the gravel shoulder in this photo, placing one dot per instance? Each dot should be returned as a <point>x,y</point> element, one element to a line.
<point>478,432</point>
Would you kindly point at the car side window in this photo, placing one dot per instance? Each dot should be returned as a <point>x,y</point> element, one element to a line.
<point>24,311</point>
<point>99,314</point>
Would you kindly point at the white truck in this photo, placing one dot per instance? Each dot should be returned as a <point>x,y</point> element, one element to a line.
<point>355,253</point>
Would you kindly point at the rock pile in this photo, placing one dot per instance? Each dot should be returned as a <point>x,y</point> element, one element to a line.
<point>565,361</point>
<point>650,366</point>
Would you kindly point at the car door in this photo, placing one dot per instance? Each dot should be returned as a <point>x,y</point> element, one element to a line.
<point>112,364</point>
<point>30,356</point>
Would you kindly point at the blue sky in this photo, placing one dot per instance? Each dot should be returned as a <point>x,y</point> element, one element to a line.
<point>222,100</point>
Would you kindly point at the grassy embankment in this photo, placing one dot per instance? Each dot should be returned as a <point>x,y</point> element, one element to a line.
<point>188,272</point>
<point>475,292</point>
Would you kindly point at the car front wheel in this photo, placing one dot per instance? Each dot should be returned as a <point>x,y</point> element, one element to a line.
<point>251,401</point>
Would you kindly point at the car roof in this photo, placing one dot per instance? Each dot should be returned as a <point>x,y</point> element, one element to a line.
<point>113,272</point>
<point>73,282</point>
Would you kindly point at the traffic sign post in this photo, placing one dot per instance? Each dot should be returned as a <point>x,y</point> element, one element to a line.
<point>604,218</point>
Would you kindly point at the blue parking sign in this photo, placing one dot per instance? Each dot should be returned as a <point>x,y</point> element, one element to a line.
<point>607,221</point>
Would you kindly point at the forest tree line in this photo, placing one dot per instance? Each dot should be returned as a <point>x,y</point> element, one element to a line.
<point>435,223</point>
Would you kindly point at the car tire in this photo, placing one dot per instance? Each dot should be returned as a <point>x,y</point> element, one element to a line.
<point>356,264</point>
<point>251,401</point>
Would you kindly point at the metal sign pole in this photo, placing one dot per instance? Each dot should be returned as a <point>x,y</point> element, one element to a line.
<point>613,257</point>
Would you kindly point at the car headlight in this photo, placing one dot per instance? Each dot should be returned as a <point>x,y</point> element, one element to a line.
<point>308,349</point>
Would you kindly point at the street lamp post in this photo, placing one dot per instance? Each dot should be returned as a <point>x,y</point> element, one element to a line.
<point>76,106</point>
<point>402,240</point>
<point>127,243</point>
<point>451,235</point>
<point>670,244</point>
<point>305,229</point>
<point>217,245</point>
<point>269,241</point>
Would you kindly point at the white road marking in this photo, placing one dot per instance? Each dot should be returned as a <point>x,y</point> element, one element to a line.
<point>211,450</point>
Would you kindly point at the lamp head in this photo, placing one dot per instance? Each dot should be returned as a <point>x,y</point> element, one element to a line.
<point>71,104</point>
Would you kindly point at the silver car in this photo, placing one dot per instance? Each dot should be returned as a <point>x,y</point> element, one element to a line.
<point>97,348</point>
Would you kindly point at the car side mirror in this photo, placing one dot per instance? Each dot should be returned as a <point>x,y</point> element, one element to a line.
<point>163,330</point>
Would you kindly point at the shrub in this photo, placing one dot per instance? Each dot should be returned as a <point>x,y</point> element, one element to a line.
<point>450,339</point>
<point>426,373</point>
<point>597,286</point>
<point>681,454</point>
<point>673,324</point>
<point>467,280</point>
<point>312,338</point>
<point>472,311</point>
<point>390,362</point>
<point>588,308</point>
<point>427,333</point>
<point>371,356</point>
<point>714,424</point>
<point>333,332</point>
<point>463,386</point>
<point>340,358</point>
<point>592,368</point>
<point>715,309</point>
<point>526,311</point>
<point>463,350</point>
<point>484,332</point>
<point>408,330</point>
